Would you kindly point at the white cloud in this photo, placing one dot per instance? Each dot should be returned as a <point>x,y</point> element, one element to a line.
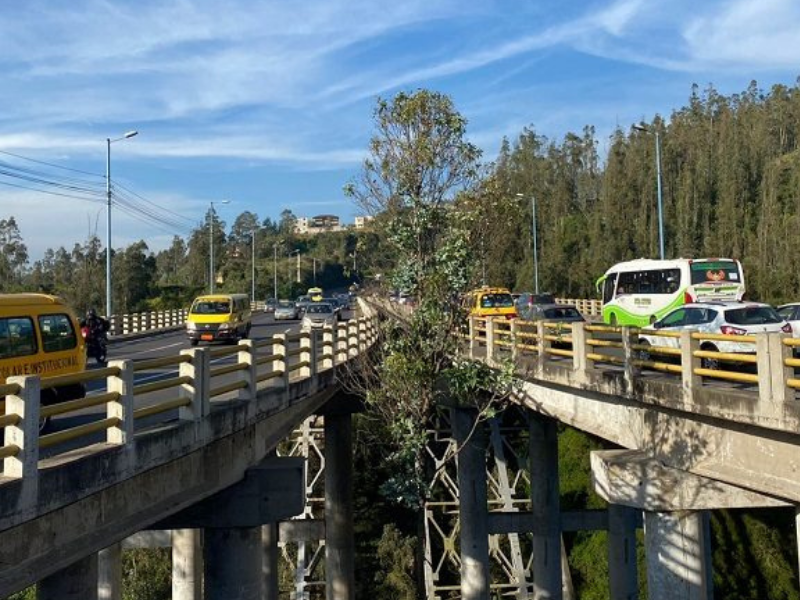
<point>746,34</point>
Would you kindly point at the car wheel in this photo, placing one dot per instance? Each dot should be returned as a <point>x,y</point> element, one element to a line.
<point>193,342</point>
<point>643,354</point>
<point>709,363</point>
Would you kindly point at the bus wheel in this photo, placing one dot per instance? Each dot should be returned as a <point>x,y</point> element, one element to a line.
<point>613,320</point>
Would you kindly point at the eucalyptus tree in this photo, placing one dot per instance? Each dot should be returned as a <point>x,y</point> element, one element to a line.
<point>13,255</point>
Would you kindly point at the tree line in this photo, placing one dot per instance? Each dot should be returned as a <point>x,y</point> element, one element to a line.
<point>144,280</point>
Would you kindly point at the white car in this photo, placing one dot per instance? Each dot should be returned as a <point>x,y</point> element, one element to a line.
<point>318,315</point>
<point>734,318</point>
<point>791,314</point>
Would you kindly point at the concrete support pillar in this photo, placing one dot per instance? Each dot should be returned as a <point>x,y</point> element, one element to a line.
<point>622,573</point>
<point>78,581</point>
<point>269,561</point>
<point>676,545</point>
<point>473,507</point>
<point>545,507</point>
<point>233,563</point>
<point>339,541</point>
<point>109,568</point>
<point>187,564</point>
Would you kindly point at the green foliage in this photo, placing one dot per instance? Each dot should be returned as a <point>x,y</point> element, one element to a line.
<point>146,574</point>
<point>395,580</point>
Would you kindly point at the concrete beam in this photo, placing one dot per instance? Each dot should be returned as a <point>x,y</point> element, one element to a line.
<point>571,520</point>
<point>632,478</point>
<point>270,491</point>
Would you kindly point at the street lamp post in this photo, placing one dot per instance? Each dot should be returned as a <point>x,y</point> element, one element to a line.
<point>658,187</point>
<point>535,244</point>
<point>253,274</point>
<point>298,263</point>
<point>275,270</point>
<point>211,245</point>
<point>110,141</point>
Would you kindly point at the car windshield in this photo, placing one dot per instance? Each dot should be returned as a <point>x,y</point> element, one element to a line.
<point>497,301</point>
<point>752,315</point>
<point>319,309</point>
<point>285,304</point>
<point>564,313</point>
<point>211,308</point>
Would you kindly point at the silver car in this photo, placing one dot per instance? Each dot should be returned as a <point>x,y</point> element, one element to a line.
<point>286,311</point>
<point>318,315</point>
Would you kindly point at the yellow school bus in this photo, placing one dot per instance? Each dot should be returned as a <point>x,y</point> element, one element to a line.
<point>224,317</point>
<point>40,335</point>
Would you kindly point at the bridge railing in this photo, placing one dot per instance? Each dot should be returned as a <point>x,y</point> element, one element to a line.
<point>196,379</point>
<point>144,322</point>
<point>592,308</point>
<point>766,372</point>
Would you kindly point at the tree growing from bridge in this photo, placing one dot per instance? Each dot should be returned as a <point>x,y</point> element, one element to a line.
<point>419,164</point>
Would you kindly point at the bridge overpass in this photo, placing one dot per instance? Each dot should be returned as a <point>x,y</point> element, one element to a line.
<point>690,439</point>
<point>208,464</point>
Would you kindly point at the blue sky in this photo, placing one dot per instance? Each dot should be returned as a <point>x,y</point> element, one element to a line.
<point>269,103</point>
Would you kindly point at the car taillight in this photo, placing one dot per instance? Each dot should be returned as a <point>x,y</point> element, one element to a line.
<point>687,298</point>
<point>786,328</point>
<point>728,330</point>
<point>509,317</point>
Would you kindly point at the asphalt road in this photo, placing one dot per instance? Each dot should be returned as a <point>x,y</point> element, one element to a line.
<point>148,348</point>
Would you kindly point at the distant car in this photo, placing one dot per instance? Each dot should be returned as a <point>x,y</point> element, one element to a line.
<point>334,302</point>
<point>527,299</point>
<point>791,314</point>
<point>734,318</point>
<point>551,313</point>
<point>286,310</point>
<point>270,304</point>
<point>302,303</point>
<point>318,315</point>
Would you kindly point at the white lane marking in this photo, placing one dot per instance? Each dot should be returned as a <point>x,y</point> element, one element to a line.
<point>157,349</point>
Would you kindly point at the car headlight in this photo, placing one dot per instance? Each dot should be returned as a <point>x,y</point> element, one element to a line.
<point>191,326</point>
<point>224,327</point>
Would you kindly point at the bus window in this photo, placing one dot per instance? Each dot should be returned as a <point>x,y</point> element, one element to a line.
<point>608,287</point>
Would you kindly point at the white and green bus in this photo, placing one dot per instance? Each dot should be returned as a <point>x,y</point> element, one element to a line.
<point>638,292</point>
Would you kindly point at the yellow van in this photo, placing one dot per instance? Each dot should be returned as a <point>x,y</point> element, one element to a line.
<point>490,302</point>
<point>40,335</point>
<point>223,317</point>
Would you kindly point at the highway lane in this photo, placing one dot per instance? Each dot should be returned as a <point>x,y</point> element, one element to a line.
<point>148,348</point>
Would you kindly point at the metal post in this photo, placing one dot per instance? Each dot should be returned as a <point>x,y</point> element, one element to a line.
<point>275,270</point>
<point>211,249</point>
<point>298,266</point>
<point>108,227</point>
<point>646,129</point>
<point>129,134</point>
<point>535,248</point>
<point>253,276</point>
<point>660,205</point>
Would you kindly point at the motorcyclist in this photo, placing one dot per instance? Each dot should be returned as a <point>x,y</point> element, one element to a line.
<point>95,329</point>
<point>98,326</point>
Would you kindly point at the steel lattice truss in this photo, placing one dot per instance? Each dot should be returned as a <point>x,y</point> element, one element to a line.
<point>306,557</point>
<point>508,490</point>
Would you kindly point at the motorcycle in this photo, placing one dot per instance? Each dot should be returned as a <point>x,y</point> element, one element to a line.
<point>96,344</point>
